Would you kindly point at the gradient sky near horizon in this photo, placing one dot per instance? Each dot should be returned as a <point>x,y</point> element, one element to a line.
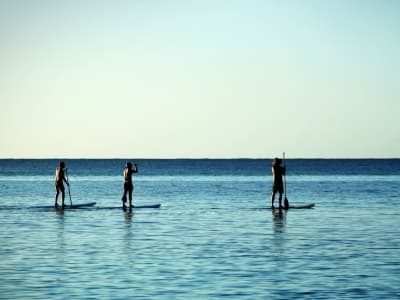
<point>195,79</point>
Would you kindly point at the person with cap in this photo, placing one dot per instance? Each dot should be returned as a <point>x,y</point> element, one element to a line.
<point>128,184</point>
<point>58,181</point>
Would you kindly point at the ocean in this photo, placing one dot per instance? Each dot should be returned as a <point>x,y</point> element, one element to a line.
<point>213,236</point>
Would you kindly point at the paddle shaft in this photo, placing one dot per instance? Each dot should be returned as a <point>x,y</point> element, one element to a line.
<point>69,191</point>
<point>284,178</point>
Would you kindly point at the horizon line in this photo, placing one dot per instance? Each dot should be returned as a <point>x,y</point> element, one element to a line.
<point>184,158</point>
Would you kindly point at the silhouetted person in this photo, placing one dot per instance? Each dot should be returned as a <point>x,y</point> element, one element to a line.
<point>60,177</point>
<point>128,184</point>
<point>277,175</point>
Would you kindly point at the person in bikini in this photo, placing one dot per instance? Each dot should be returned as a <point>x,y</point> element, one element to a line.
<point>58,181</point>
<point>128,183</point>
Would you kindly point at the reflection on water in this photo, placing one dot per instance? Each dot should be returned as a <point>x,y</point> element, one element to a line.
<point>279,220</point>
<point>128,214</point>
<point>59,212</point>
<point>126,242</point>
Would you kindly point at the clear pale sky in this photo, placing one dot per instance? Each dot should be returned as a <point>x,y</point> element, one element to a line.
<point>217,79</point>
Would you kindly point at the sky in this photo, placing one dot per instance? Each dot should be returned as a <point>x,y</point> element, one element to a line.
<point>199,79</point>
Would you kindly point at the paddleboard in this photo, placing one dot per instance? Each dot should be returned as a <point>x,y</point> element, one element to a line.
<point>133,207</point>
<point>76,206</point>
<point>309,205</point>
<point>67,206</point>
<point>304,206</point>
<point>147,206</point>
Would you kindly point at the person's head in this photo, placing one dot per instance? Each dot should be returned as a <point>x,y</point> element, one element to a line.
<point>128,165</point>
<point>276,161</point>
<point>62,164</point>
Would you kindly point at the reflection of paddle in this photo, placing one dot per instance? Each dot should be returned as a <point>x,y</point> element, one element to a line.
<point>69,191</point>
<point>286,201</point>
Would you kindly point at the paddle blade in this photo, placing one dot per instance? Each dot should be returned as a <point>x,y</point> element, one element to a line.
<point>286,203</point>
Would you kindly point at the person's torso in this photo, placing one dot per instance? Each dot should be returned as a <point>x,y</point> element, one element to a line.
<point>278,173</point>
<point>128,175</point>
<point>59,174</point>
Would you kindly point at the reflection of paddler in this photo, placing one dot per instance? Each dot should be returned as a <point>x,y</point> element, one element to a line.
<point>279,220</point>
<point>60,177</point>
<point>277,176</point>
<point>128,184</point>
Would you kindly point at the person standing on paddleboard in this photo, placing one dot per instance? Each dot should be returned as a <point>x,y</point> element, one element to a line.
<point>277,176</point>
<point>58,181</point>
<point>128,184</point>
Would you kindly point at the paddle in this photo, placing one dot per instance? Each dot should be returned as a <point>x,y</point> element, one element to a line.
<point>69,191</point>
<point>286,201</point>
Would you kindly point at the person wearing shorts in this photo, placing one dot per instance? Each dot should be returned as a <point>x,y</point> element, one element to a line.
<point>277,176</point>
<point>128,183</point>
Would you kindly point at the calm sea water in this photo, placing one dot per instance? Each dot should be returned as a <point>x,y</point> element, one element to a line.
<point>212,237</point>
